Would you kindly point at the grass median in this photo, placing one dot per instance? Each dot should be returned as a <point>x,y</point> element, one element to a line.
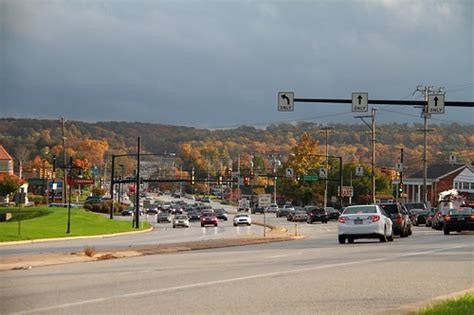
<point>44,222</point>
<point>458,306</point>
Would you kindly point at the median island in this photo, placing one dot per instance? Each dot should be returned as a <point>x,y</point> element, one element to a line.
<point>33,223</point>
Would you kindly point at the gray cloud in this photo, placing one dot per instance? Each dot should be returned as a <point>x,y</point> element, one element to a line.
<point>221,63</point>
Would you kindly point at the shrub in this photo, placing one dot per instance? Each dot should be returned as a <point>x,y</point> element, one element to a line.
<point>89,251</point>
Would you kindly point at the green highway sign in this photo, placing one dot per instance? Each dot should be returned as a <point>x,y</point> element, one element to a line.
<point>309,178</point>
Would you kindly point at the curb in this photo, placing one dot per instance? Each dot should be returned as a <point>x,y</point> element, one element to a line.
<point>73,238</point>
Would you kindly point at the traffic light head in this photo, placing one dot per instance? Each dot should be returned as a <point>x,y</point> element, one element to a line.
<point>401,188</point>
<point>192,180</point>
<point>246,180</point>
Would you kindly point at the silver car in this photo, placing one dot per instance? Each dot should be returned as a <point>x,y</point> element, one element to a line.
<point>181,220</point>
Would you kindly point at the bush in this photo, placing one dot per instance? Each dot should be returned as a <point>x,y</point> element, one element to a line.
<point>37,199</point>
<point>104,207</point>
<point>97,191</point>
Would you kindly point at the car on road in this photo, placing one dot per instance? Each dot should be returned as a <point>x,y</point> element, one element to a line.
<point>206,200</point>
<point>282,212</point>
<point>364,221</point>
<point>259,210</point>
<point>127,212</point>
<point>242,218</point>
<point>194,215</point>
<point>152,211</point>
<point>418,216</point>
<point>221,214</point>
<point>181,220</point>
<point>317,214</point>
<point>163,216</point>
<point>297,216</point>
<point>438,219</point>
<point>430,217</point>
<point>332,213</point>
<point>461,219</point>
<point>209,218</point>
<point>273,208</point>
<point>400,219</point>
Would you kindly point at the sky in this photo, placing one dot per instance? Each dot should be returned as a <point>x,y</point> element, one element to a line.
<point>220,64</point>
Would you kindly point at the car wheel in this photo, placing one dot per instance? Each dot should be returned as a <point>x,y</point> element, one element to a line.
<point>235,224</point>
<point>446,232</point>
<point>309,222</point>
<point>248,224</point>
<point>403,233</point>
<point>350,240</point>
<point>342,239</point>
<point>202,225</point>
<point>410,232</point>
<point>459,231</point>
<point>390,238</point>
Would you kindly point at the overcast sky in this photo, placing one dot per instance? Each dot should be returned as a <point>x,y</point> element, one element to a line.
<point>222,63</point>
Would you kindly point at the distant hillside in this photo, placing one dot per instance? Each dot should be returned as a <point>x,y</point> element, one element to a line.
<point>349,141</point>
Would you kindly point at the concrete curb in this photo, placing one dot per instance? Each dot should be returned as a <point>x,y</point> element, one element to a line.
<point>73,238</point>
<point>411,308</point>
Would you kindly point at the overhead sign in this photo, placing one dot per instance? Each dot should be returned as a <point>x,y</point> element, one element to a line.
<point>360,102</point>
<point>436,104</point>
<point>359,171</point>
<point>289,172</point>
<point>323,173</point>
<point>399,167</point>
<point>286,101</point>
<point>347,191</point>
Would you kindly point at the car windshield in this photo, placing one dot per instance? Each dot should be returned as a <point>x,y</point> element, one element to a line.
<point>410,206</point>
<point>390,208</point>
<point>461,211</point>
<point>181,217</point>
<point>241,215</point>
<point>360,210</point>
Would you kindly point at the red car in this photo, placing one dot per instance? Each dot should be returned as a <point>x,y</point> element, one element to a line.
<point>208,218</point>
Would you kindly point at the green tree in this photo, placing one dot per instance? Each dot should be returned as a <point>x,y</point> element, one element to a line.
<point>9,184</point>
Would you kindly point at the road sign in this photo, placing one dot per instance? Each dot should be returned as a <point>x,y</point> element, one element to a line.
<point>289,172</point>
<point>264,200</point>
<point>399,167</point>
<point>360,102</point>
<point>310,178</point>
<point>347,191</point>
<point>286,101</point>
<point>323,173</point>
<point>359,171</point>
<point>436,104</point>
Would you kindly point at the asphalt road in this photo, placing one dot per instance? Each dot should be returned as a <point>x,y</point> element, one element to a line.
<point>311,276</point>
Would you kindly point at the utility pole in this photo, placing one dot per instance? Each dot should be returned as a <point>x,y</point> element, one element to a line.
<point>425,91</point>
<point>63,121</point>
<point>137,190</point>
<point>326,130</point>
<point>373,141</point>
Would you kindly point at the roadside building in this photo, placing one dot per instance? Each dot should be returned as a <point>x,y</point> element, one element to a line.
<point>6,168</point>
<point>440,177</point>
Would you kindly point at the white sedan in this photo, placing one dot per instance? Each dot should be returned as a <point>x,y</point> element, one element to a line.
<point>242,218</point>
<point>365,221</point>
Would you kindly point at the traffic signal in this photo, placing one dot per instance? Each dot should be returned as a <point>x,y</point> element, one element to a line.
<point>246,180</point>
<point>192,180</point>
<point>219,180</point>
<point>401,188</point>
<point>252,174</point>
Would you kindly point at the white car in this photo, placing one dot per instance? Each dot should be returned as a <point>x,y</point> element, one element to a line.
<point>242,218</point>
<point>272,208</point>
<point>180,220</point>
<point>365,221</point>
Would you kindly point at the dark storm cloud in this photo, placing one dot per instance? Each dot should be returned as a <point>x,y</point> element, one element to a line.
<point>221,63</point>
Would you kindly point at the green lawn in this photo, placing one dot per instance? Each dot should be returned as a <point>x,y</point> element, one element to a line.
<point>44,222</point>
<point>459,306</point>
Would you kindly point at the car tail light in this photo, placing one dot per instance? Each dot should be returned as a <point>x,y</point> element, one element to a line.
<point>375,218</point>
<point>440,215</point>
<point>342,219</point>
<point>399,219</point>
<point>472,217</point>
<point>447,218</point>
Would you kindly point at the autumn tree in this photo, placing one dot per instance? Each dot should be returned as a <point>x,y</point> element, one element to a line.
<point>9,184</point>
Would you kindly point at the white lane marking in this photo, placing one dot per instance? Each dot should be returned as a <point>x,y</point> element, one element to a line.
<point>286,255</point>
<point>211,283</point>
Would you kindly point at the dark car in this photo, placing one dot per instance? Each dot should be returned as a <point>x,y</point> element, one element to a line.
<point>401,221</point>
<point>221,214</point>
<point>260,210</point>
<point>127,212</point>
<point>282,212</point>
<point>209,218</point>
<point>317,214</point>
<point>418,216</point>
<point>163,217</point>
<point>152,211</point>
<point>91,200</point>
<point>461,219</point>
<point>194,215</point>
<point>332,213</point>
